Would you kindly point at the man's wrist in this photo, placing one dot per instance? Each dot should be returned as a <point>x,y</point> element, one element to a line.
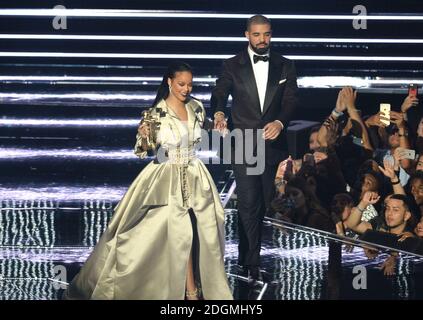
<point>280,122</point>
<point>219,113</point>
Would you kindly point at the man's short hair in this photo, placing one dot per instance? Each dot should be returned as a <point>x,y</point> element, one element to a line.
<point>410,207</point>
<point>404,200</point>
<point>257,19</point>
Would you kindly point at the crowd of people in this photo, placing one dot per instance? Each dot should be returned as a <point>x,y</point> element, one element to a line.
<point>360,174</point>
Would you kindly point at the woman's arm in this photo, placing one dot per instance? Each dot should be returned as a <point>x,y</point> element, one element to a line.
<point>354,220</point>
<point>349,98</point>
<point>328,128</point>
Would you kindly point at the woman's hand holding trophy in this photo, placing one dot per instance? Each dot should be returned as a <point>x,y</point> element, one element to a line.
<point>148,129</point>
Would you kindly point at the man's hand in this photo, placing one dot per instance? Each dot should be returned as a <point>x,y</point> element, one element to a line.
<point>405,235</point>
<point>272,130</point>
<point>220,123</point>
<point>370,253</point>
<point>388,266</point>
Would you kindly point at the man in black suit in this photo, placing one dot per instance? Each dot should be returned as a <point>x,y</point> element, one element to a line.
<point>263,87</point>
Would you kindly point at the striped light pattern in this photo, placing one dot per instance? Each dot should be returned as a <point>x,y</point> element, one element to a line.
<point>311,81</point>
<point>200,39</point>
<point>195,56</point>
<point>120,13</point>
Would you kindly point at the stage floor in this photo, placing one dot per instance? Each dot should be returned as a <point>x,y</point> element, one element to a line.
<point>44,244</point>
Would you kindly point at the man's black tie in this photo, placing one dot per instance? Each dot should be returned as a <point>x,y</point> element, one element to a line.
<point>257,58</point>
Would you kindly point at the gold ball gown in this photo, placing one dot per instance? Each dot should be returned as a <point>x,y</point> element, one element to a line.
<point>144,252</point>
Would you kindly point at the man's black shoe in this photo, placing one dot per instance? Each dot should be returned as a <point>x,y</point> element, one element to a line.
<point>241,270</point>
<point>253,274</point>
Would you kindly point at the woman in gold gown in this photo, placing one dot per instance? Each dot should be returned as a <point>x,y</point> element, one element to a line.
<point>166,237</point>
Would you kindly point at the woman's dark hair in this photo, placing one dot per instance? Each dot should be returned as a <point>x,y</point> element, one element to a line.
<point>403,198</point>
<point>419,145</point>
<point>339,202</point>
<point>415,176</point>
<point>367,168</point>
<point>172,69</point>
<point>418,175</point>
<point>284,206</point>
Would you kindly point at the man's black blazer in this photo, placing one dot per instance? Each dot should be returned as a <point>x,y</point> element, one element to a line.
<point>237,79</point>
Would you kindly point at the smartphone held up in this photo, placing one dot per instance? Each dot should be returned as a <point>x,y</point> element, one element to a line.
<point>413,90</point>
<point>385,111</point>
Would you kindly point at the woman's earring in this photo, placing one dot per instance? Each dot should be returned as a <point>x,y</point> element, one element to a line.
<point>170,88</point>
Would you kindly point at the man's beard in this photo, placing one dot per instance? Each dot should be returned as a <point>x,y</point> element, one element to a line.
<point>261,51</point>
<point>395,226</point>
